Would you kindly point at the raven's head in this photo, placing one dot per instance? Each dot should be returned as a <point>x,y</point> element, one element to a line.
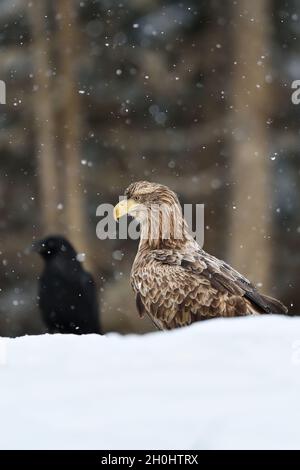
<point>52,246</point>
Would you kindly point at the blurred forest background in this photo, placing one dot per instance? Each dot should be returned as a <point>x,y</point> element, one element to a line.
<point>195,94</point>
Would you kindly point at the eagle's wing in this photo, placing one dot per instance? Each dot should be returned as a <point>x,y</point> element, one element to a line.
<point>177,288</point>
<point>223,275</point>
<point>223,278</point>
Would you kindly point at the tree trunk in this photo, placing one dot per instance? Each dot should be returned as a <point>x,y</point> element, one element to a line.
<point>44,120</point>
<point>251,199</point>
<point>74,195</point>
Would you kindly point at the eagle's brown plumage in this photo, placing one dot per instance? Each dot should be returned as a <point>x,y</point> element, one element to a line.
<point>176,282</point>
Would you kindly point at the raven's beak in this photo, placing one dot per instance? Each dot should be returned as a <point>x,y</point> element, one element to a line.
<point>35,247</point>
<point>124,207</point>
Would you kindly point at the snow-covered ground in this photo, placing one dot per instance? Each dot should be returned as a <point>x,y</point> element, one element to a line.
<point>220,384</point>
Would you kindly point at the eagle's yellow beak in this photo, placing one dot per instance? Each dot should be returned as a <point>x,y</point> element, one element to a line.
<point>124,207</point>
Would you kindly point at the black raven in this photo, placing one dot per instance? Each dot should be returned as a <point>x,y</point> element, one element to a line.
<point>67,293</point>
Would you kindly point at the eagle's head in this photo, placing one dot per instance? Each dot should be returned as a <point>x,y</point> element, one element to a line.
<point>157,209</point>
<point>151,193</point>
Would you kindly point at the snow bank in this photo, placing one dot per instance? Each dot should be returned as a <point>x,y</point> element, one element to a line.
<point>220,384</point>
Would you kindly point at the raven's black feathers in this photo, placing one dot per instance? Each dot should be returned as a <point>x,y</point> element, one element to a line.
<point>67,293</point>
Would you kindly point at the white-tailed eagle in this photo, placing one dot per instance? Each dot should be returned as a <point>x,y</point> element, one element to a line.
<point>176,282</point>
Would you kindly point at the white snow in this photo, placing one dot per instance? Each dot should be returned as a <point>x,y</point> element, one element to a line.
<point>221,384</point>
